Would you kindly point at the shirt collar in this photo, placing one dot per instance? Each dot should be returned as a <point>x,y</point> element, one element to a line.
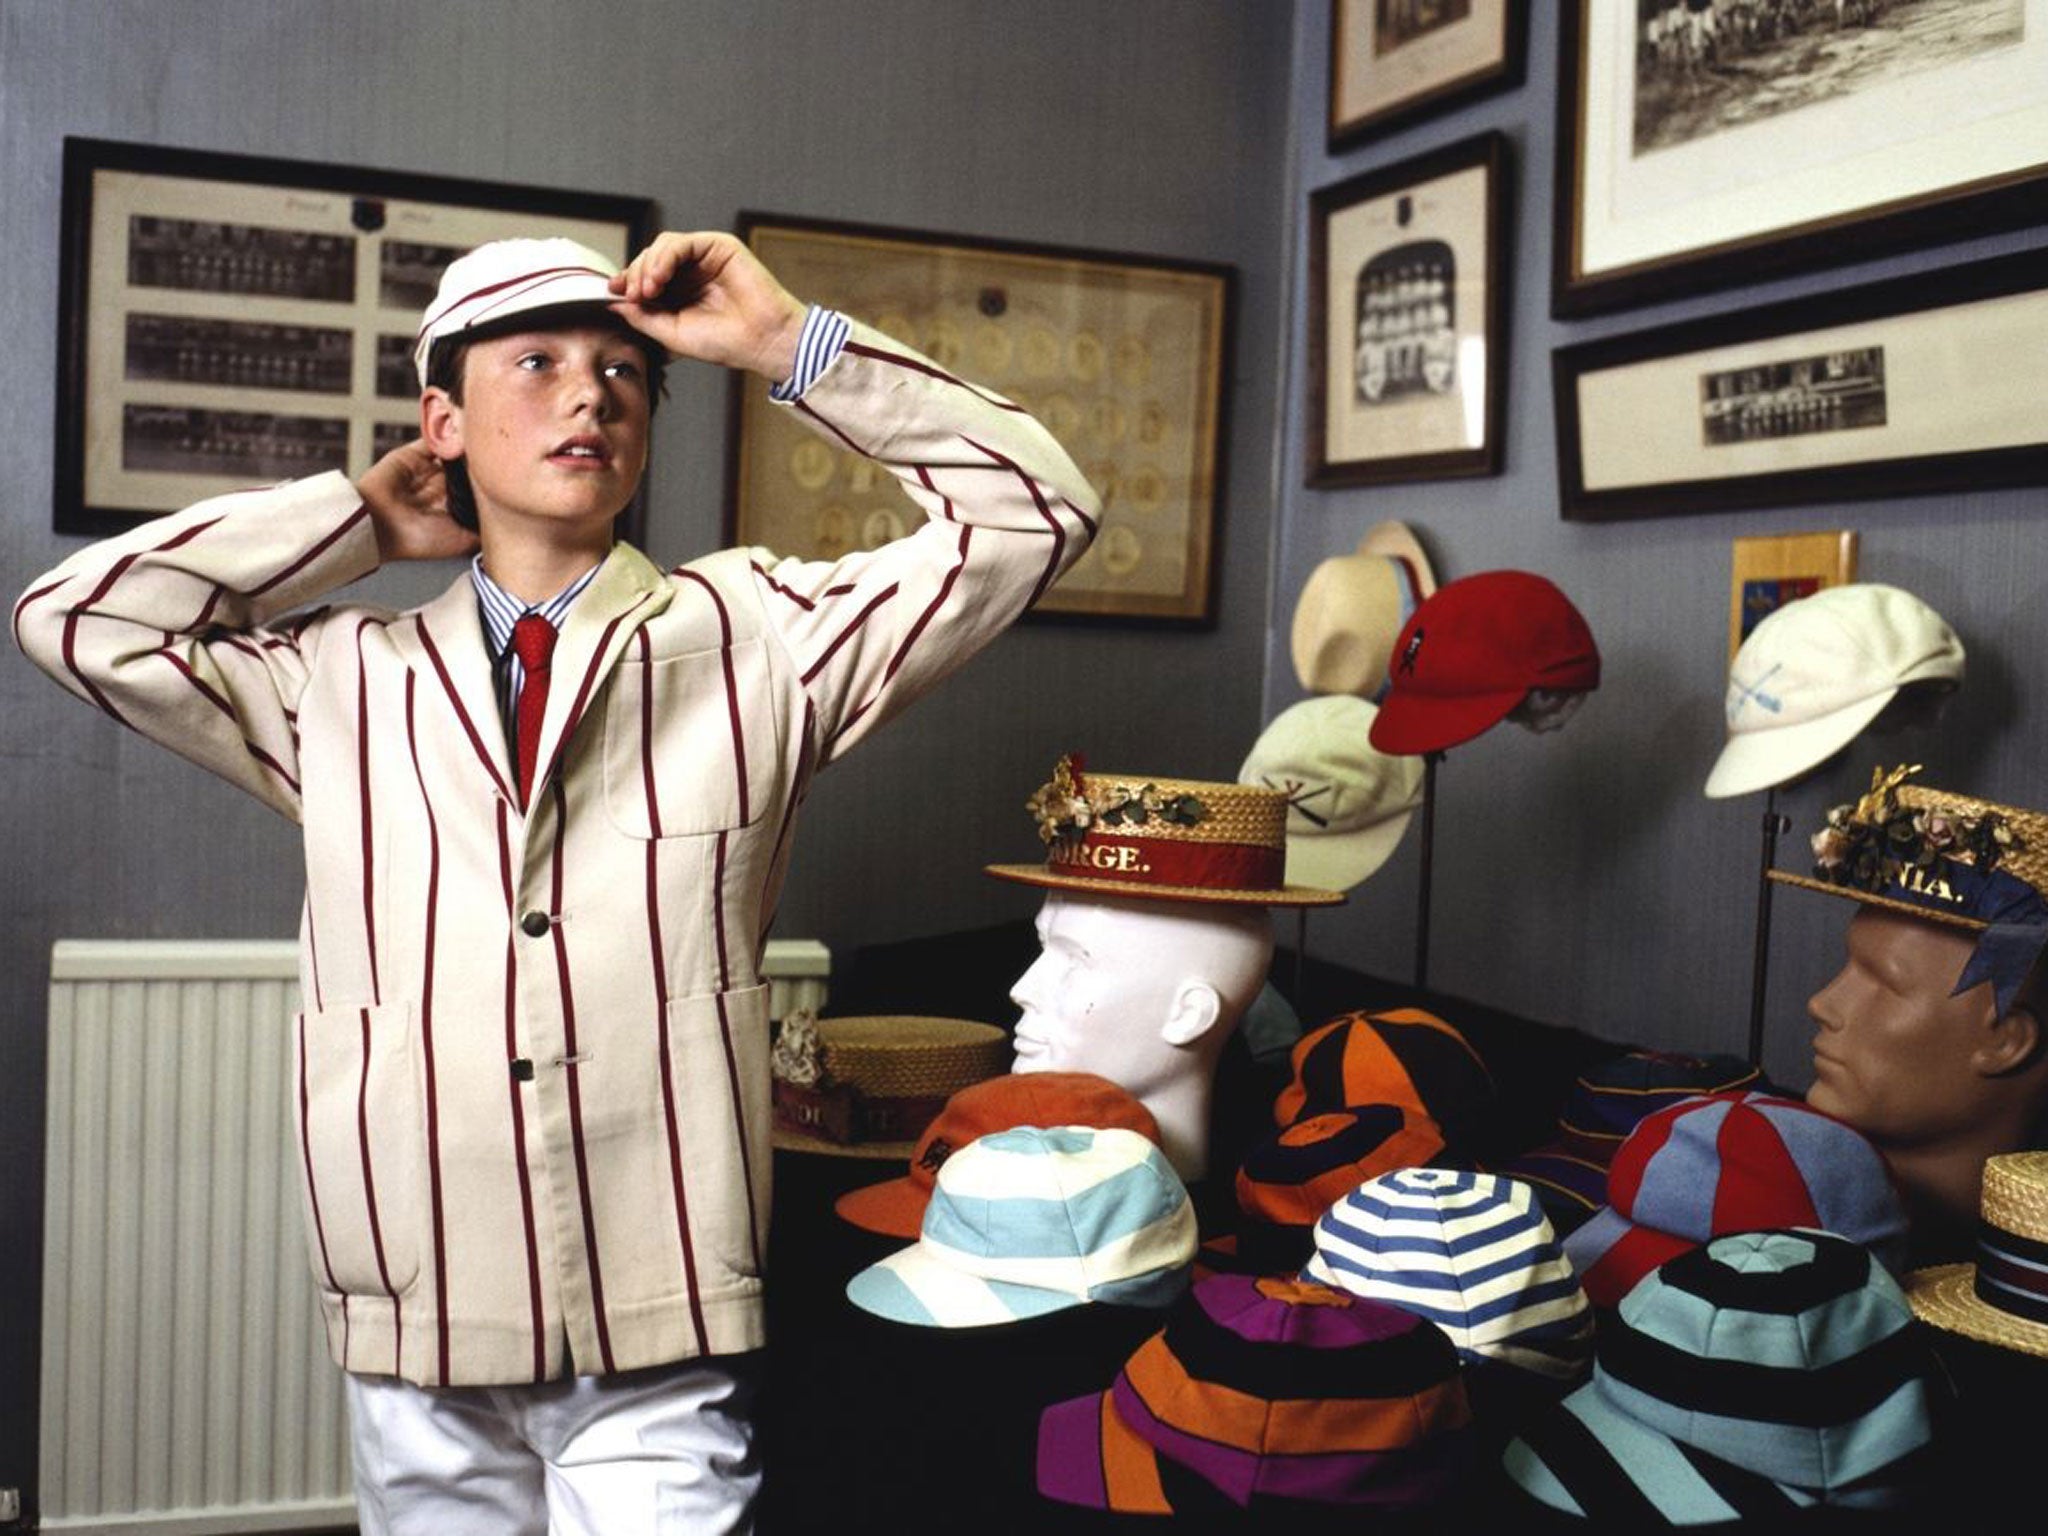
<point>501,610</point>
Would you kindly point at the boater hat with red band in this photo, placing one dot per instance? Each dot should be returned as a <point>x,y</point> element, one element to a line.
<point>1121,834</point>
<point>504,278</point>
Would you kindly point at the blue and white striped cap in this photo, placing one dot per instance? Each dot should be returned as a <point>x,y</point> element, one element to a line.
<point>1032,1220</point>
<point>1473,1253</point>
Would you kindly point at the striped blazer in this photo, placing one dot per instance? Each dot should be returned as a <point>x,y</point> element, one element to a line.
<point>532,1066</point>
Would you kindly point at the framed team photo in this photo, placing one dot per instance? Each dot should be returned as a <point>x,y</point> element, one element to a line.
<point>1407,319</point>
<point>1395,62</point>
<point>1915,385</point>
<point>1123,358</point>
<point>226,320</point>
<point>1702,146</point>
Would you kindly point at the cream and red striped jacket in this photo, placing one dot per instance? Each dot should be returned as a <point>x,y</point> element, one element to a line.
<point>532,1067</point>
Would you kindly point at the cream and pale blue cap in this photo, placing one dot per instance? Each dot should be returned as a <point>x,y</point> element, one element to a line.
<point>1812,675</point>
<point>1033,1220</point>
<point>504,278</point>
<point>1348,803</point>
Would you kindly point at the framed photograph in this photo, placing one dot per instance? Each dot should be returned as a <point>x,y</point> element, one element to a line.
<point>1394,62</point>
<point>1407,309</point>
<point>1771,570</point>
<point>1701,146</point>
<point>1913,385</point>
<point>225,320</point>
<point>1122,358</point>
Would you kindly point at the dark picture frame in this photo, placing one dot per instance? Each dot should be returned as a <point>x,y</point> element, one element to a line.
<point>226,320</point>
<point>1407,301</point>
<point>1911,386</point>
<point>1124,358</point>
<point>1687,162</point>
<point>1394,65</point>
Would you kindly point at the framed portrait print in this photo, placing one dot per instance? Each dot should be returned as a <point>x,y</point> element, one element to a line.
<point>1122,358</point>
<point>1918,384</point>
<point>226,320</point>
<point>1704,146</point>
<point>1394,62</point>
<point>1407,309</point>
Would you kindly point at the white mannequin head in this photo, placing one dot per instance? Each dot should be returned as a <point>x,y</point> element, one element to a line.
<point>1144,993</point>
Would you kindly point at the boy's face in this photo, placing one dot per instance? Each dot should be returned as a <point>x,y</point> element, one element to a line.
<point>552,425</point>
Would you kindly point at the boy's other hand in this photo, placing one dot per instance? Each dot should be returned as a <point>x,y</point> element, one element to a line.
<point>407,497</point>
<point>705,295</point>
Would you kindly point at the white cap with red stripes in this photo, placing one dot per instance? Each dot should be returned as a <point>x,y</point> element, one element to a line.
<point>504,278</point>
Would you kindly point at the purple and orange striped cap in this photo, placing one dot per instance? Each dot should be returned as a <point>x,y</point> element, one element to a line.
<point>1733,1162</point>
<point>1272,1390</point>
<point>503,278</point>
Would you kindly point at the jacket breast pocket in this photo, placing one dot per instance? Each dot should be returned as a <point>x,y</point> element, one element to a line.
<point>691,742</point>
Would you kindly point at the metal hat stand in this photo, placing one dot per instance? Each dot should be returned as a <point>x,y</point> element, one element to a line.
<point>1774,825</point>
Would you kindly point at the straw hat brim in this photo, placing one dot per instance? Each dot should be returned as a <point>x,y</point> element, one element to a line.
<point>1870,899</point>
<point>1946,1296</point>
<point>878,1151</point>
<point>1396,538</point>
<point>1285,896</point>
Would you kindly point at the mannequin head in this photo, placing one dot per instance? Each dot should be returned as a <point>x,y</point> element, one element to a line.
<point>1938,1081</point>
<point>1144,993</point>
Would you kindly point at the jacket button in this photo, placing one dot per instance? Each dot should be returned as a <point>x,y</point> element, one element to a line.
<point>534,925</point>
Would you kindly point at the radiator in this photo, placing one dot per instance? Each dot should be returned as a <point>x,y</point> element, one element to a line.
<point>186,1386</point>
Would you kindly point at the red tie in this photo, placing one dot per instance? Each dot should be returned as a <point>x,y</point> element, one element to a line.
<point>533,641</point>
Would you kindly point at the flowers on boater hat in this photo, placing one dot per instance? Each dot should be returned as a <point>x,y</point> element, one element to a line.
<point>1868,844</point>
<point>1950,858</point>
<point>1066,805</point>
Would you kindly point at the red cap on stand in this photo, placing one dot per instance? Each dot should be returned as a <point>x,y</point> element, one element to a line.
<point>1472,651</point>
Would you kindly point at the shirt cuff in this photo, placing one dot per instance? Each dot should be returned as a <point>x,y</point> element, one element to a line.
<point>817,348</point>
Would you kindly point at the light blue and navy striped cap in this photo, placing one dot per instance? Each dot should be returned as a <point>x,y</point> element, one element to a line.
<point>1473,1253</point>
<point>1764,1373</point>
<point>1028,1221</point>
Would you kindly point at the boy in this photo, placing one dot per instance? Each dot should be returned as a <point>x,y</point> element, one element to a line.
<point>546,819</point>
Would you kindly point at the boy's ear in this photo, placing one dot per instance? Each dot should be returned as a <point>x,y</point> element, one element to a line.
<point>441,422</point>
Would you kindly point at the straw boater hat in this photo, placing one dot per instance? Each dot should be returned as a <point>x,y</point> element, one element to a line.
<point>1120,834</point>
<point>1351,608</point>
<point>2001,1299</point>
<point>866,1087</point>
<point>1950,858</point>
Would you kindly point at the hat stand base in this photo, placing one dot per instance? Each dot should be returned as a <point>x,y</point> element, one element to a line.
<point>1422,883</point>
<point>1773,825</point>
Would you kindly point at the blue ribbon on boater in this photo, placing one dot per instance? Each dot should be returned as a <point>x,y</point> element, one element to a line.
<point>1944,861</point>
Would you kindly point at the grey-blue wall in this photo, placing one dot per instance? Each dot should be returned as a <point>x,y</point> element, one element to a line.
<point>1149,125</point>
<point>1582,877</point>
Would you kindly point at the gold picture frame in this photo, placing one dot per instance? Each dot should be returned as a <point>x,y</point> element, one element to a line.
<point>1771,570</point>
<point>1122,358</point>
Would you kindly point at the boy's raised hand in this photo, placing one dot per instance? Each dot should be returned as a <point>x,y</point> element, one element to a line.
<point>407,497</point>
<point>705,295</point>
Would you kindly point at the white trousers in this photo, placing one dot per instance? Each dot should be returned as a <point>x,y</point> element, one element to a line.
<point>669,1449</point>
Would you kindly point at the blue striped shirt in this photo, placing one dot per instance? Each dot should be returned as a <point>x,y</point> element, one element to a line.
<point>817,348</point>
